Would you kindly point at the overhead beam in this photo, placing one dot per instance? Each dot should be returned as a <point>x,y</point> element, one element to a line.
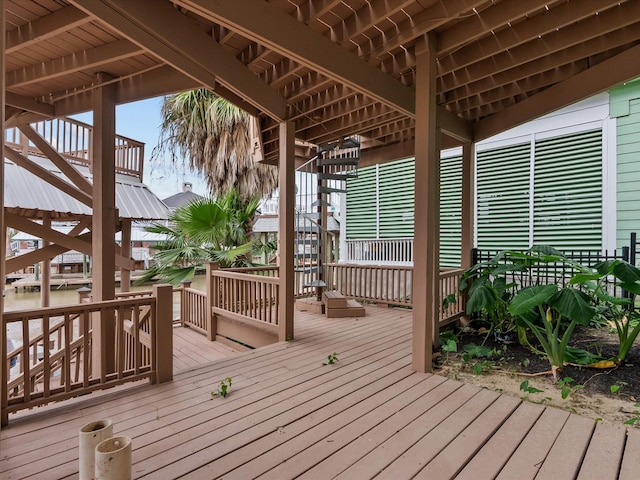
<point>616,70</point>
<point>74,62</point>
<point>533,29</point>
<point>174,34</point>
<point>270,26</point>
<point>44,28</point>
<point>29,104</point>
<point>597,27</point>
<point>47,176</point>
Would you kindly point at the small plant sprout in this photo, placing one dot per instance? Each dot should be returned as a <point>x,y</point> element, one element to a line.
<point>636,416</point>
<point>567,388</point>
<point>223,388</point>
<point>615,389</point>
<point>331,359</point>
<point>528,389</point>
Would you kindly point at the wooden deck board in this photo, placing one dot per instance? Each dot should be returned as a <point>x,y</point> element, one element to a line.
<point>604,453</point>
<point>290,416</point>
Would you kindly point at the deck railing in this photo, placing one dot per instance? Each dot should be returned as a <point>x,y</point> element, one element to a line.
<point>392,284</point>
<point>73,140</point>
<point>193,309</point>
<point>55,359</point>
<point>245,296</point>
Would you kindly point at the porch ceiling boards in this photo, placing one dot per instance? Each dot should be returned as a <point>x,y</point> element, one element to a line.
<point>334,67</point>
<point>289,415</point>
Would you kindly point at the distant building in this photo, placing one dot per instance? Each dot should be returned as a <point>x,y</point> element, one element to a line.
<point>184,197</point>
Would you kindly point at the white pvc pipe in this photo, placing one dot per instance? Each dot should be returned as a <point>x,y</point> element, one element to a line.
<point>113,459</point>
<point>89,437</point>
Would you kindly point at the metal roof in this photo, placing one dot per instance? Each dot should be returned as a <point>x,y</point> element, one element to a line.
<point>268,224</point>
<point>28,195</point>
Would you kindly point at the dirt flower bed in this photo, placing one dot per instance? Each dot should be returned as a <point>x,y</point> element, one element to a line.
<point>611,394</point>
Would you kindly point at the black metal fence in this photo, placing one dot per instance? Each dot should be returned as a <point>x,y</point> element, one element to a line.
<point>559,272</point>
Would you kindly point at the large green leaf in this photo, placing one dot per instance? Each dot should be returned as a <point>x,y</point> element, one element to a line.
<point>574,305</point>
<point>530,298</point>
<point>481,297</point>
<point>626,272</point>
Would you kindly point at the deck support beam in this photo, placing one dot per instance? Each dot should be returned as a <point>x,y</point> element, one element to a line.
<point>125,251</point>
<point>4,373</point>
<point>104,224</point>
<point>45,282</point>
<point>427,211</point>
<point>286,231</point>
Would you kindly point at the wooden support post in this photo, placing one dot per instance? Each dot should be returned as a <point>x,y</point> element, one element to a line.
<point>427,211</point>
<point>164,332</point>
<point>213,297</point>
<point>4,367</point>
<point>103,225</point>
<point>184,285</point>
<point>45,278</point>
<point>286,230</point>
<point>125,251</point>
<point>468,197</point>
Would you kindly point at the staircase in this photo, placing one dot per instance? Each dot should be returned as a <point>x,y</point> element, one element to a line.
<point>318,183</point>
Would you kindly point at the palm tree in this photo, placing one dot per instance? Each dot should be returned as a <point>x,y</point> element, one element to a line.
<point>203,231</point>
<point>214,135</point>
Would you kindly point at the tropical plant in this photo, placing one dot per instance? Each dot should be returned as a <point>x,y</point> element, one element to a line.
<point>212,136</point>
<point>626,319</point>
<point>200,232</point>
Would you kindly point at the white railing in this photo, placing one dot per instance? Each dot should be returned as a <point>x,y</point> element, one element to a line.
<point>388,251</point>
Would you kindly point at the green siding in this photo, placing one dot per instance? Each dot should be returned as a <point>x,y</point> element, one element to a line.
<point>361,205</point>
<point>450,211</point>
<point>568,191</point>
<point>503,197</point>
<point>625,104</point>
<point>396,193</point>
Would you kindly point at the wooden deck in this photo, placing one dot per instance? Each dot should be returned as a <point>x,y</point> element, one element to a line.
<point>290,416</point>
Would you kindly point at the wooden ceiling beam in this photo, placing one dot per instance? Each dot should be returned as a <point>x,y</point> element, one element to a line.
<point>75,62</point>
<point>342,128</point>
<point>435,15</point>
<point>166,23</point>
<point>520,87</point>
<point>492,18</point>
<point>597,27</point>
<point>317,101</point>
<point>565,56</point>
<point>29,104</point>
<point>600,77</point>
<point>549,23</point>
<point>270,26</point>
<point>44,28</point>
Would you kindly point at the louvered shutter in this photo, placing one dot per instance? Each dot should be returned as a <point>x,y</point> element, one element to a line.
<point>396,196</point>
<point>503,197</point>
<point>450,211</point>
<point>361,204</point>
<point>568,191</point>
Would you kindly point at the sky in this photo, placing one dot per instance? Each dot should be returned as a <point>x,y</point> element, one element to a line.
<point>141,121</point>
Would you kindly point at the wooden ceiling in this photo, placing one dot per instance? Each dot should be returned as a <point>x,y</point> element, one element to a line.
<point>334,67</point>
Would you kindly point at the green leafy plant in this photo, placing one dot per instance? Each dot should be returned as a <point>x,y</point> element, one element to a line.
<point>636,416</point>
<point>615,388</point>
<point>448,343</point>
<point>331,359</point>
<point>528,389</point>
<point>567,387</point>
<point>223,388</point>
<point>626,318</point>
